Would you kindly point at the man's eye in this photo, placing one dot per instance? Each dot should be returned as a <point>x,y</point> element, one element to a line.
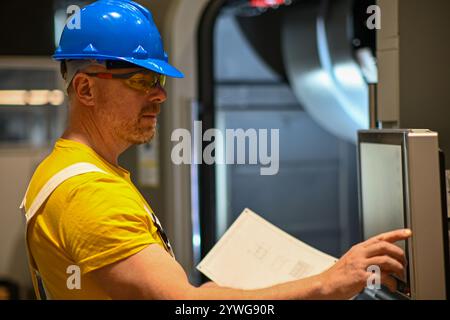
<point>139,82</point>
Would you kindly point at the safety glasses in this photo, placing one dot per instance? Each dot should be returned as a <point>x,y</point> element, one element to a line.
<point>139,80</point>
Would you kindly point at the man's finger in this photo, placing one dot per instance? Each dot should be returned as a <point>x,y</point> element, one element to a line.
<point>387,264</point>
<point>392,236</point>
<point>383,248</point>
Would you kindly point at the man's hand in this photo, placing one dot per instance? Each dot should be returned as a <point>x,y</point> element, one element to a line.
<point>349,275</point>
<point>209,284</point>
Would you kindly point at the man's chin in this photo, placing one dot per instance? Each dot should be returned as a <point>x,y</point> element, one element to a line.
<point>143,139</point>
<point>141,136</point>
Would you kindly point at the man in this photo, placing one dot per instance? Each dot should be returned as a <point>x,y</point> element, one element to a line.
<point>83,211</point>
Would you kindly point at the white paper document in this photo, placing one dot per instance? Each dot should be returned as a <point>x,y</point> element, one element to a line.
<point>254,254</point>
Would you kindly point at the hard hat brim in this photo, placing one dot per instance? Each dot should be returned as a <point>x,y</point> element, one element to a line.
<point>159,66</point>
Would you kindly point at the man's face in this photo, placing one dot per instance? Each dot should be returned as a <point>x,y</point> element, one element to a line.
<point>130,114</point>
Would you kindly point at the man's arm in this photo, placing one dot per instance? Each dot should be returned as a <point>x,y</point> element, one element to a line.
<point>154,274</point>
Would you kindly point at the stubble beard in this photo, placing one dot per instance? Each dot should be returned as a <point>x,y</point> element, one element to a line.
<point>132,132</point>
<point>136,134</point>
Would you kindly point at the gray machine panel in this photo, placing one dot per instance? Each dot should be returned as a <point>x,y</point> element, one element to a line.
<point>400,187</point>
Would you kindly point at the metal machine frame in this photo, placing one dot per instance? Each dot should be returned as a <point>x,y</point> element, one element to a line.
<point>425,214</point>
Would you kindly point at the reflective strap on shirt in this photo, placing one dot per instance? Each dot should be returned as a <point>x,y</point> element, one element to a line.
<point>44,193</point>
<point>54,182</point>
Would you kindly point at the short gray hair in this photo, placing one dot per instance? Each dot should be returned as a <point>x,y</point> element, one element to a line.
<point>72,67</point>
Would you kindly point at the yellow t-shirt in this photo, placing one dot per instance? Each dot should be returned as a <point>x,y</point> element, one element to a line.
<point>89,221</point>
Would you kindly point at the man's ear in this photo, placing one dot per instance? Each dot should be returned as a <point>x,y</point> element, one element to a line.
<point>82,86</point>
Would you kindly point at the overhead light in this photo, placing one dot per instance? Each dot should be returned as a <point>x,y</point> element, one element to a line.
<point>56,97</point>
<point>37,97</point>
<point>31,97</point>
<point>12,97</point>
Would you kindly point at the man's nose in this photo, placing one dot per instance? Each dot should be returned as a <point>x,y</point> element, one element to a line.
<point>157,94</point>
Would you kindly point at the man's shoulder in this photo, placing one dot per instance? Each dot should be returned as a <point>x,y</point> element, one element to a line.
<point>95,196</point>
<point>84,196</point>
<point>91,178</point>
<point>95,183</point>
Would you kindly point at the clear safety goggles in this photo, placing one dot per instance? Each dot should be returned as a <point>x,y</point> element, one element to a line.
<point>139,80</point>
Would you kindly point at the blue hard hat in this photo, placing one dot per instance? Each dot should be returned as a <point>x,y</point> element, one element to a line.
<point>116,30</point>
